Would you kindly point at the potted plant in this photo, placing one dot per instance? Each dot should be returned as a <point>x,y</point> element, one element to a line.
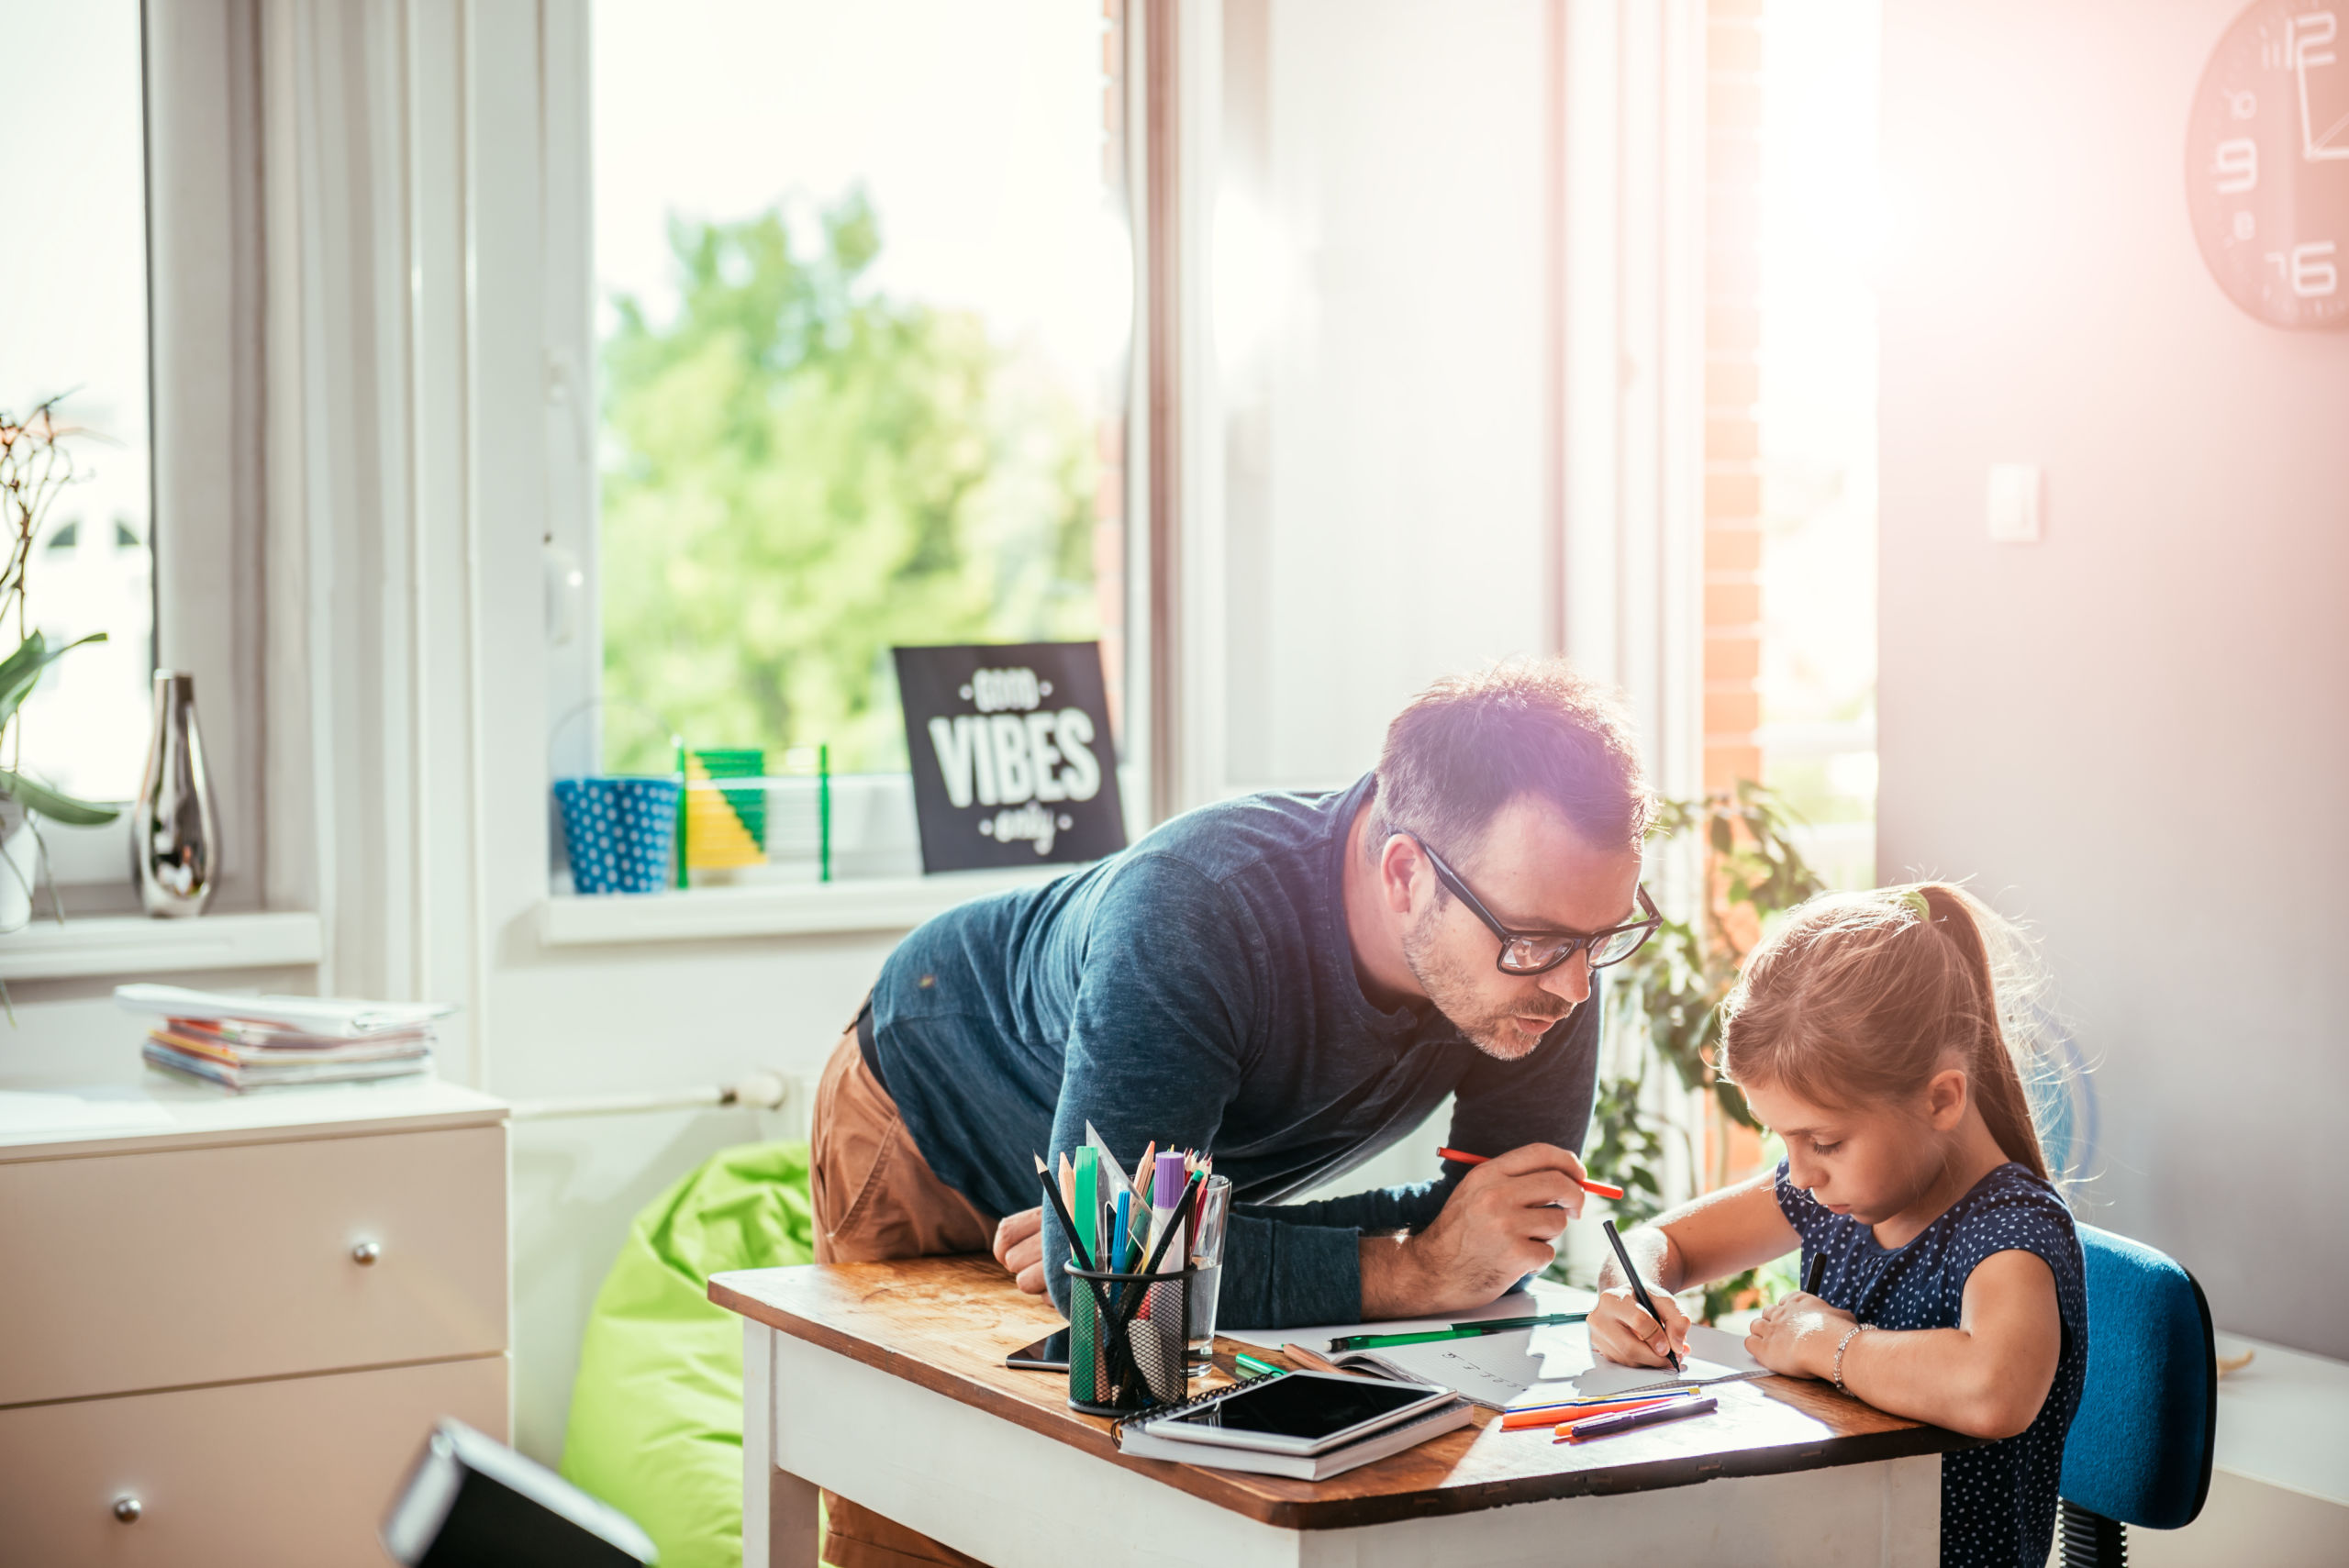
<point>1672,990</point>
<point>35,465</point>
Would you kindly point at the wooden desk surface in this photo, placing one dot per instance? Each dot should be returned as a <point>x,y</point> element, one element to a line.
<point>946,1323</point>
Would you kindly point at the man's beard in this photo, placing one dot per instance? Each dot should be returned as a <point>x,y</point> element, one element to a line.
<point>1454,990</point>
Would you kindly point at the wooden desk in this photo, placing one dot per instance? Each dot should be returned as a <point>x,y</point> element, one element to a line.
<point>886,1382</point>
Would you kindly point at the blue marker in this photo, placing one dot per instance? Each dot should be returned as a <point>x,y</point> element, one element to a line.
<point>1118,1243</point>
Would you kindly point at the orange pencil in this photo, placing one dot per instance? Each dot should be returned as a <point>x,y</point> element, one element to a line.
<point>1556,1415</point>
<point>1601,1189</point>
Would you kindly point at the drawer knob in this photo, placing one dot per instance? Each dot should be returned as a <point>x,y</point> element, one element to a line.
<point>127,1509</point>
<point>365,1253</point>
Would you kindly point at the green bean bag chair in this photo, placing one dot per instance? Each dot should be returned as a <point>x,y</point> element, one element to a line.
<point>656,1412</point>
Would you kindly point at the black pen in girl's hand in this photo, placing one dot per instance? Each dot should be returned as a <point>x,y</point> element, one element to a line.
<point>1812,1276</point>
<point>1640,1291</point>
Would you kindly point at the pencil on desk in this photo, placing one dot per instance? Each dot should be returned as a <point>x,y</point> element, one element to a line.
<point>1553,1416</point>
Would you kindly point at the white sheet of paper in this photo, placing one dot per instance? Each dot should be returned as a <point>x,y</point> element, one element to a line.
<point>1538,1300</point>
<point>1526,1366</point>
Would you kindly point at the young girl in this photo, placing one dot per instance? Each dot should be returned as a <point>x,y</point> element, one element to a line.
<point>1866,1033</point>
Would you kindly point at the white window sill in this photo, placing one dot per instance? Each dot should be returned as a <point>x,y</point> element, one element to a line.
<point>878,904</point>
<point>133,944</point>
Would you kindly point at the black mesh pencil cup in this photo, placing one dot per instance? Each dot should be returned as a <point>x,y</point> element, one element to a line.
<point>1126,1341</point>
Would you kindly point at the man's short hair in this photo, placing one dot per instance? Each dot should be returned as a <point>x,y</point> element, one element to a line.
<point>1469,744</point>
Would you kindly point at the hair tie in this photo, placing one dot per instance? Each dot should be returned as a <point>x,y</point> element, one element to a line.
<point>1913,900</point>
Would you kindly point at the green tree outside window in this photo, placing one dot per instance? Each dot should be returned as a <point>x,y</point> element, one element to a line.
<point>799,471</point>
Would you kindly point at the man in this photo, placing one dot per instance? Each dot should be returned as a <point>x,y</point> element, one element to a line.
<point>1292,983</point>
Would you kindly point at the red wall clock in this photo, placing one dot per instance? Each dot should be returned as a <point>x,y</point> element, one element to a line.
<point>2267,163</point>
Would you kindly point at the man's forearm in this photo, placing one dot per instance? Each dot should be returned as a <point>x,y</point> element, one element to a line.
<point>1392,1285</point>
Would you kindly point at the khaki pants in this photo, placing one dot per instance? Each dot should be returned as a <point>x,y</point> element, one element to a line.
<point>875,1199</point>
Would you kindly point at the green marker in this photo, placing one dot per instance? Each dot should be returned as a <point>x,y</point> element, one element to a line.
<point>1457,1331</point>
<point>1251,1366</point>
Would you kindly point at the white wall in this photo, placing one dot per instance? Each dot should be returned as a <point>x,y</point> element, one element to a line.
<point>1379,290</point>
<point>2133,733</point>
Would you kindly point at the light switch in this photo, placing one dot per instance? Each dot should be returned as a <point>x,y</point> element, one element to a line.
<point>2018,496</point>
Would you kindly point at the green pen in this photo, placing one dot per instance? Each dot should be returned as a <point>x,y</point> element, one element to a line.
<point>1457,1331</point>
<point>1249,1363</point>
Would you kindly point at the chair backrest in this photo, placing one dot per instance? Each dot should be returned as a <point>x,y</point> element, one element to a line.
<point>2140,1448</point>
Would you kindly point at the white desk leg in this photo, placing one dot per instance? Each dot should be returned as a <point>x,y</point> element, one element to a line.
<point>779,1518</point>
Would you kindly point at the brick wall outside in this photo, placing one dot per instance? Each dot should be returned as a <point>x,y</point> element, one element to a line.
<point>1732,665</point>
<point>1110,490</point>
<point>1733,389</point>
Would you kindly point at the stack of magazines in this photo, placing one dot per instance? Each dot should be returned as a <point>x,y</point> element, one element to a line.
<point>254,1042</point>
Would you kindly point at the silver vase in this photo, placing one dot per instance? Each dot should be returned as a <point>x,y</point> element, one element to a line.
<point>175,834</point>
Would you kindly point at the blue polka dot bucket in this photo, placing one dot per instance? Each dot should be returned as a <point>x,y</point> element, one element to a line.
<point>620,830</point>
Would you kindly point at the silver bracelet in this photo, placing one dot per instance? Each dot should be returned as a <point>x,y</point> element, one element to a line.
<point>1850,1334</point>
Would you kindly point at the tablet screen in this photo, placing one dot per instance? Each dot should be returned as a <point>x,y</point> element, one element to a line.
<point>1301,1406</point>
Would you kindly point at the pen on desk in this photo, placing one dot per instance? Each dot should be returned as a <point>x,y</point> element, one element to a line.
<point>1814,1275</point>
<point>1251,1366</point>
<point>1624,1420</point>
<point>1640,1291</point>
<point>1598,1189</point>
<point>1457,1331</point>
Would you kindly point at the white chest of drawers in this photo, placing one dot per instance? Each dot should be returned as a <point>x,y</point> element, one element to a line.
<point>226,1323</point>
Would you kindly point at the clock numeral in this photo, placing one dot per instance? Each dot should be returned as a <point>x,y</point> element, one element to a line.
<point>2242,104</point>
<point>2247,226</point>
<point>2309,268</point>
<point>2313,274</point>
<point>2236,162</point>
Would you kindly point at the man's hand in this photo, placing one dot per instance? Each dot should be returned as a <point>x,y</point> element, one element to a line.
<point>1019,1248</point>
<point>1797,1336</point>
<point>1622,1332</point>
<point>1501,1223</point>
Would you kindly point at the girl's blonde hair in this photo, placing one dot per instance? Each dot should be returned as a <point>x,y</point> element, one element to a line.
<point>1862,997</point>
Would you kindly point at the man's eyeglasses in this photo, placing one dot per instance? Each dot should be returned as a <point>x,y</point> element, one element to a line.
<point>1538,952</point>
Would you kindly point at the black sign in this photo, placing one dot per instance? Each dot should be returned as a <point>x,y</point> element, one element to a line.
<point>1013,763</point>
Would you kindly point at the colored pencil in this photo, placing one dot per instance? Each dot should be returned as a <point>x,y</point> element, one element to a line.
<point>1624,1420</point>
<point>1598,1189</point>
<point>1052,1191</point>
<point>1556,1415</point>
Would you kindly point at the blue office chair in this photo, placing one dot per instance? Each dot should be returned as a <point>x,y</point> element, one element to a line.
<point>2140,1448</point>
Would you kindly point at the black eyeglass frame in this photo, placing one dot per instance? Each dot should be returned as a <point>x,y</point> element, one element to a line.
<point>1573,944</point>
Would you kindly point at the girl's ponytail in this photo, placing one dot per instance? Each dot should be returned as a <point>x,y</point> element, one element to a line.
<point>1863,996</point>
<point>1996,1081</point>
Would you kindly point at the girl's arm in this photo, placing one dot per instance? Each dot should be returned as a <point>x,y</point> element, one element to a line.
<point>1719,1234</point>
<point>1986,1377</point>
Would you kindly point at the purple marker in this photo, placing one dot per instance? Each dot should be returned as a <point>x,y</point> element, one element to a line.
<point>1623,1421</point>
<point>1165,1194</point>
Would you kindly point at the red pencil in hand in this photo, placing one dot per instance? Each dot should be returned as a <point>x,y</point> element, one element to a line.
<point>1600,1189</point>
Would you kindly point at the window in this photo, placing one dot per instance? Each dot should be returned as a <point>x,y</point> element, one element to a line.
<point>861,322</point>
<point>74,327</point>
<point>1817,416</point>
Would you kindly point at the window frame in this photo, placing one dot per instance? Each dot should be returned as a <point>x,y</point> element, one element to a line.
<point>200,72</point>
<point>570,547</point>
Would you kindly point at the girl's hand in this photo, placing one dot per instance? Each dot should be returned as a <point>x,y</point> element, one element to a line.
<point>1621,1332</point>
<point>1797,1336</point>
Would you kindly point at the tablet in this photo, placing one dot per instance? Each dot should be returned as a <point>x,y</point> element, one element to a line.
<point>1300,1412</point>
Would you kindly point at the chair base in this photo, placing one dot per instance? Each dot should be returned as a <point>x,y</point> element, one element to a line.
<point>2090,1540</point>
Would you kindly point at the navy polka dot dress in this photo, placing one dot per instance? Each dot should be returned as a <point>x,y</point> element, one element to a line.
<point>1997,1501</point>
